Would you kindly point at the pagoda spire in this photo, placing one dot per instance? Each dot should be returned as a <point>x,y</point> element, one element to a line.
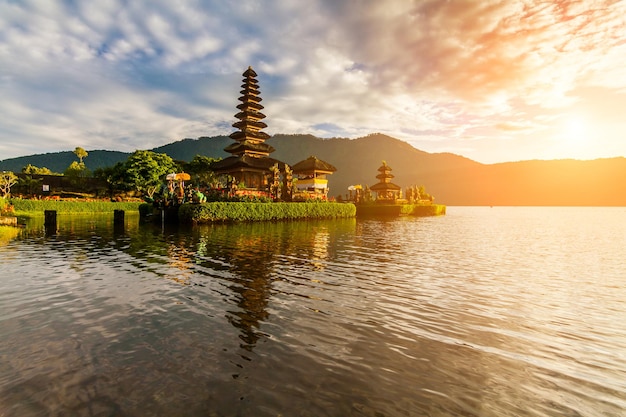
<point>250,137</point>
<point>385,189</point>
<point>385,175</point>
<point>249,163</point>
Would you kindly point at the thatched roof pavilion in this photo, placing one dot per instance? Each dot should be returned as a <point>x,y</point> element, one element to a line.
<point>312,165</point>
<point>311,174</point>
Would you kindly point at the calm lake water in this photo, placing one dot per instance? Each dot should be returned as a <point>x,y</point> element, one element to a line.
<point>482,312</point>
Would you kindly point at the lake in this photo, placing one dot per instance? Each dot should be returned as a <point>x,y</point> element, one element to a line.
<point>503,311</point>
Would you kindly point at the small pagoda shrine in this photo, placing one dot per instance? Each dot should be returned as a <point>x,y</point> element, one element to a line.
<point>311,177</point>
<point>386,191</point>
<point>249,164</point>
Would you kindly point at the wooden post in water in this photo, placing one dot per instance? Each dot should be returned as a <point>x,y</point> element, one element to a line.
<point>118,220</point>
<point>118,217</point>
<point>50,221</point>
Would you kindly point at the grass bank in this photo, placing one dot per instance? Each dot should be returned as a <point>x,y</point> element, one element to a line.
<point>241,212</point>
<point>34,208</point>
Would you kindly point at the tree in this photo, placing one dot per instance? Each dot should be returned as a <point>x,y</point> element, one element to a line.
<point>7,180</point>
<point>29,183</point>
<point>200,170</point>
<point>77,170</point>
<point>145,170</point>
<point>33,170</point>
<point>114,176</point>
<point>80,153</point>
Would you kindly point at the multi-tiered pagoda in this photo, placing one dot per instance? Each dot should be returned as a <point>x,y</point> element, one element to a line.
<point>386,191</point>
<point>250,163</point>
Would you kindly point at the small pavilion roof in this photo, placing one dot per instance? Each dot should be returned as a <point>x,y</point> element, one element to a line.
<point>313,164</point>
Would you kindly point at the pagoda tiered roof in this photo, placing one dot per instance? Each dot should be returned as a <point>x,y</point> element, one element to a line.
<point>249,146</point>
<point>242,136</point>
<point>246,162</point>
<point>249,153</point>
<point>249,123</point>
<point>385,177</point>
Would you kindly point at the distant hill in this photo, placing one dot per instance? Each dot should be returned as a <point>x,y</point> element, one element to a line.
<point>186,149</point>
<point>182,150</point>
<point>455,180</point>
<point>59,161</point>
<point>358,160</point>
<point>452,179</point>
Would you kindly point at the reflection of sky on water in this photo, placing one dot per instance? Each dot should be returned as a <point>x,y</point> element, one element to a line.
<point>430,312</point>
<point>242,262</point>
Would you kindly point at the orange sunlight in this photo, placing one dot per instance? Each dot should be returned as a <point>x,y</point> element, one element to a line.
<point>573,137</point>
<point>575,131</point>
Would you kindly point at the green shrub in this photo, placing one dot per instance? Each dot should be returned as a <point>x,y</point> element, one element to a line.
<point>428,210</point>
<point>228,211</point>
<point>145,209</point>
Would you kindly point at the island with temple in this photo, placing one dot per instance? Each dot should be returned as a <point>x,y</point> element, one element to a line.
<point>251,171</point>
<point>387,199</point>
<point>250,178</point>
<point>247,185</point>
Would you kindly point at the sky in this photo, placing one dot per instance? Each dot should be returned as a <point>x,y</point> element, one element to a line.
<point>491,80</point>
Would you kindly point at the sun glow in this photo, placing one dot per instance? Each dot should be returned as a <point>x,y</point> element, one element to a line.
<point>575,131</point>
<point>572,138</point>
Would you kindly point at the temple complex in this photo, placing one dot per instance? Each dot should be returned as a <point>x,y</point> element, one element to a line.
<point>386,191</point>
<point>311,177</point>
<point>249,164</point>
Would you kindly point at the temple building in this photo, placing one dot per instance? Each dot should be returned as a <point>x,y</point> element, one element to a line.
<point>386,191</point>
<point>311,177</point>
<point>249,164</point>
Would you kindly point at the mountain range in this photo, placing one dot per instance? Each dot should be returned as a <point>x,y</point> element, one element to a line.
<point>450,178</point>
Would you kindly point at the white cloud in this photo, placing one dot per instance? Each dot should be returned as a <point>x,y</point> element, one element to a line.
<point>442,73</point>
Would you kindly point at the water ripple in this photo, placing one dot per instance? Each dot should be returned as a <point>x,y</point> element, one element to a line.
<point>483,312</point>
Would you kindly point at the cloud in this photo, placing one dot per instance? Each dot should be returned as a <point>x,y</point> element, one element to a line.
<point>512,126</point>
<point>472,49</point>
<point>127,75</point>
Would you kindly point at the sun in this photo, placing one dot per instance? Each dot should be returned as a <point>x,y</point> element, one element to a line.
<point>575,130</point>
<point>572,137</point>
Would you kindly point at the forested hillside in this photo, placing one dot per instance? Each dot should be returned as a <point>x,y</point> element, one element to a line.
<point>452,179</point>
<point>186,149</point>
<point>59,161</point>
